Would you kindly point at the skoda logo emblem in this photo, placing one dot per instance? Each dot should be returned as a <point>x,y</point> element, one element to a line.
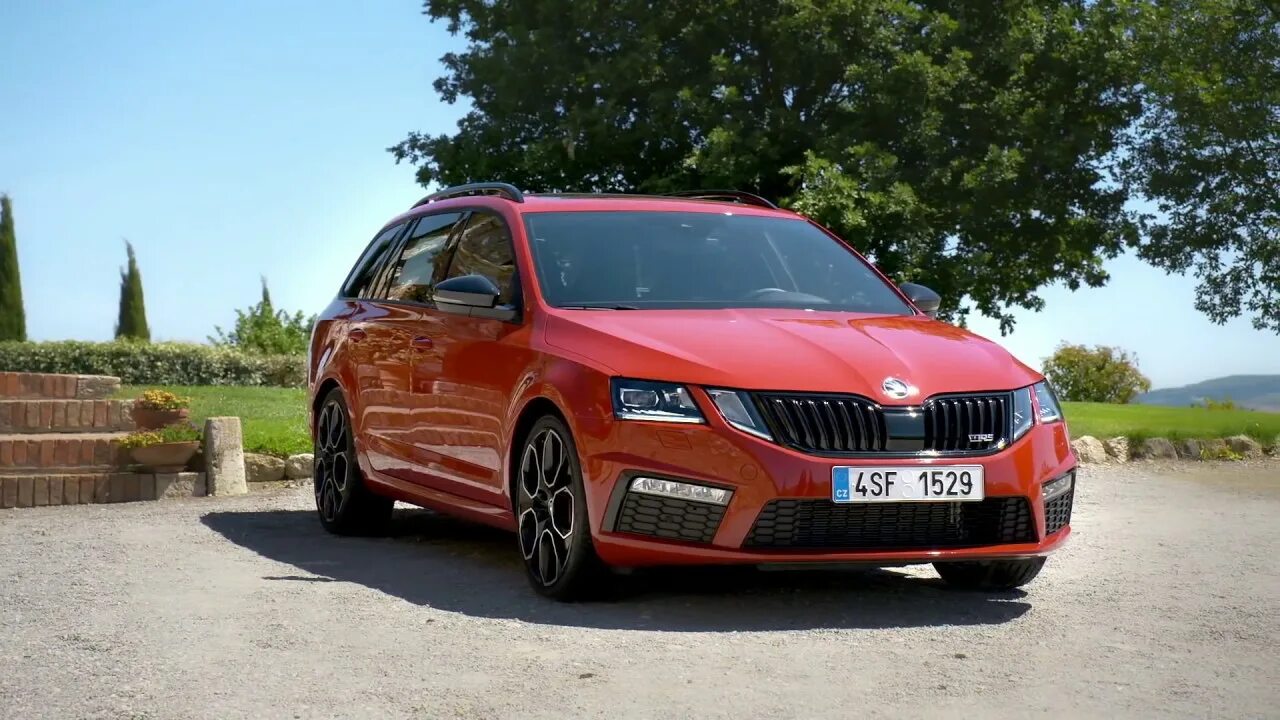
<point>895,388</point>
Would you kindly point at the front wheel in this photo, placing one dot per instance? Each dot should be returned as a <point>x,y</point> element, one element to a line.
<point>554,532</point>
<point>990,575</point>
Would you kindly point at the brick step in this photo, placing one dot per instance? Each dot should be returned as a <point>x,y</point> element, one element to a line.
<point>85,488</point>
<point>25,453</point>
<point>65,416</point>
<point>49,386</point>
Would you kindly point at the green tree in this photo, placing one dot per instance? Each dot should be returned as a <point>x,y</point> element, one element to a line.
<point>959,144</point>
<point>132,323</point>
<point>1097,374</point>
<point>263,329</point>
<point>13,319</point>
<point>1206,151</point>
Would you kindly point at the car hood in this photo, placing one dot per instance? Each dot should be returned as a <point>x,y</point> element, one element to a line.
<point>767,349</point>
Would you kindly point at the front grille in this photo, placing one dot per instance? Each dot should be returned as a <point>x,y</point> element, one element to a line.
<point>668,518</point>
<point>1057,513</point>
<point>822,524</point>
<point>825,423</point>
<point>854,425</point>
<point>972,423</point>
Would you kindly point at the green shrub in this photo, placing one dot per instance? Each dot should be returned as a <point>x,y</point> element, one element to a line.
<point>1098,374</point>
<point>167,363</point>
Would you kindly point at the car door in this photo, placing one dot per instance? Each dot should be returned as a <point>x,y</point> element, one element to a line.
<point>481,360</point>
<point>418,262</point>
<point>375,359</point>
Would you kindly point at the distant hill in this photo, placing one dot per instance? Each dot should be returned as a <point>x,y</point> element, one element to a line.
<point>1258,392</point>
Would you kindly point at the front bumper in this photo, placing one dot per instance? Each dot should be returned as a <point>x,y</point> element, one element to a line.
<point>759,472</point>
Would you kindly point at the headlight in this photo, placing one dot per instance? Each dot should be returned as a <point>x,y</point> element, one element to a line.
<point>1023,416</point>
<point>1050,410</point>
<point>645,400</point>
<point>739,411</point>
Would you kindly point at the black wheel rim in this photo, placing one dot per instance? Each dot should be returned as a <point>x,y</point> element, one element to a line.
<point>547,506</point>
<point>332,461</point>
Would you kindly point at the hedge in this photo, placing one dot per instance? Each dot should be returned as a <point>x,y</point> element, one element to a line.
<point>167,363</point>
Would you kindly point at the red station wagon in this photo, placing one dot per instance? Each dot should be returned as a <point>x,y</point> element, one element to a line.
<point>629,381</point>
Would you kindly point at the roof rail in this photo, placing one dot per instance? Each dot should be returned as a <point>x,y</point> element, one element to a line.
<point>737,196</point>
<point>501,189</point>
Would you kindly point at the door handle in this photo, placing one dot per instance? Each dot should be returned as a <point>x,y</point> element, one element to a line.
<point>357,335</point>
<point>422,343</point>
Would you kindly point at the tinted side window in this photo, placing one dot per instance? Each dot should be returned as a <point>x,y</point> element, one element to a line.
<point>414,273</point>
<point>485,249</point>
<point>366,269</point>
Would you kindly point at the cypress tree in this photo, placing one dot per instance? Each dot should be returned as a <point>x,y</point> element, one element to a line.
<point>13,320</point>
<point>132,324</point>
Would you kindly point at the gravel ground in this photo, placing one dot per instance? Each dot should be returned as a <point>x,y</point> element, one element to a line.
<point>1166,603</point>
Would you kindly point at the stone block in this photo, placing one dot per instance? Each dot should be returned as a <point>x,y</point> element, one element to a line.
<point>1157,448</point>
<point>8,492</point>
<point>147,487</point>
<point>132,488</point>
<point>263,468</point>
<point>26,491</point>
<point>1245,446</point>
<point>224,456</point>
<point>39,491</point>
<point>102,489</point>
<point>115,492</point>
<point>71,490</point>
<point>55,489</point>
<point>87,488</point>
<point>1089,449</point>
<point>300,466</point>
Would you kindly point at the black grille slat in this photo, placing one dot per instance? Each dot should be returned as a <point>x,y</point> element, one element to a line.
<point>839,424</point>
<point>822,524</point>
<point>1057,512</point>
<point>669,518</point>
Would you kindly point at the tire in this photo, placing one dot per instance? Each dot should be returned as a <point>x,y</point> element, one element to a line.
<point>344,503</point>
<point>554,533</point>
<point>990,575</point>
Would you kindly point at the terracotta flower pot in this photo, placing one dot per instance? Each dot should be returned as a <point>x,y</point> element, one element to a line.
<point>166,457</point>
<point>149,419</point>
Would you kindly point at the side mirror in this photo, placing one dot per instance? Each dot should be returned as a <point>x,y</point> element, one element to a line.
<point>474,295</point>
<point>922,297</point>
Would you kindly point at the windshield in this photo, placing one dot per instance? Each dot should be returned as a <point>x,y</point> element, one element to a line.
<point>669,260</point>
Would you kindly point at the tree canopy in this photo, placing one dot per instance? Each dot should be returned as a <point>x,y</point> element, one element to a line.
<point>984,149</point>
<point>132,321</point>
<point>1098,374</point>
<point>263,329</point>
<point>13,319</point>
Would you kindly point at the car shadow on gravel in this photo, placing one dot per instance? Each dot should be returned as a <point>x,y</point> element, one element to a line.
<point>428,559</point>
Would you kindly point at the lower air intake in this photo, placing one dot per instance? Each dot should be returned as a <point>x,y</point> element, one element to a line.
<point>822,524</point>
<point>669,518</point>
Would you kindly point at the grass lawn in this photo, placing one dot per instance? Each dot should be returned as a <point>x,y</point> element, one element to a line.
<point>1138,422</point>
<point>274,420</point>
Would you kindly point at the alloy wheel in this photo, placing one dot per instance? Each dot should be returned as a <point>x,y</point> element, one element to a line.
<point>332,469</point>
<point>547,506</point>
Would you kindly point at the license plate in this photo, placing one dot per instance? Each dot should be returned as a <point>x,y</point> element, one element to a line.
<point>936,483</point>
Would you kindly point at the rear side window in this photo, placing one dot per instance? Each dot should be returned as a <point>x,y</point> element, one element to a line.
<point>420,265</point>
<point>485,249</point>
<point>360,281</point>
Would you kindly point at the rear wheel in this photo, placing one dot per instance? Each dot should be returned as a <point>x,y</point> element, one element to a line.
<point>554,533</point>
<point>344,503</point>
<point>990,574</point>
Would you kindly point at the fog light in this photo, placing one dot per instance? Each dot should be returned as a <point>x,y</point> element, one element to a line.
<point>681,491</point>
<point>1058,486</point>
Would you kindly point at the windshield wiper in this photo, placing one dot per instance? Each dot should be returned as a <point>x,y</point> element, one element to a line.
<point>600,306</point>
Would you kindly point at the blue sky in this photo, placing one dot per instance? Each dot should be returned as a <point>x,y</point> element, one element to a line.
<point>228,140</point>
